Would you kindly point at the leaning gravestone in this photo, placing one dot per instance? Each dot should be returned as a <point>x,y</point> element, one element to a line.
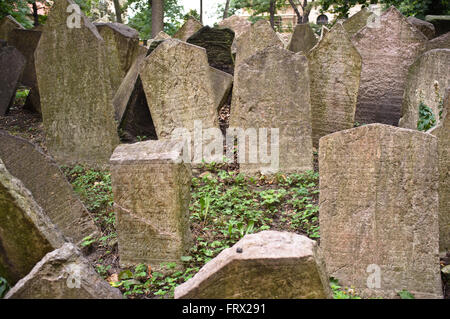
<point>176,80</point>
<point>271,90</point>
<point>7,24</point>
<point>221,84</point>
<point>266,265</point>
<point>258,37</point>
<point>63,274</point>
<point>188,29</point>
<point>357,21</point>
<point>217,43</point>
<point>334,74</point>
<point>378,218</point>
<point>26,42</point>
<point>388,47</point>
<point>442,132</point>
<point>303,39</point>
<point>151,187</point>
<point>442,42</point>
<point>75,89</point>
<point>50,189</point>
<point>12,63</point>
<point>26,233</point>
<point>427,80</point>
<point>425,27</point>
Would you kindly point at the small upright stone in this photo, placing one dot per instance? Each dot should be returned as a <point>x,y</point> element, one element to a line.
<point>151,187</point>
<point>221,84</point>
<point>379,228</point>
<point>266,265</point>
<point>442,42</point>
<point>303,39</point>
<point>427,28</point>
<point>188,29</point>
<point>7,24</point>
<point>357,21</point>
<point>12,63</point>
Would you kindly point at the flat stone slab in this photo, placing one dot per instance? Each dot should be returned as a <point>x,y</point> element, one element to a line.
<point>12,63</point>
<point>188,29</point>
<point>303,39</point>
<point>266,265</point>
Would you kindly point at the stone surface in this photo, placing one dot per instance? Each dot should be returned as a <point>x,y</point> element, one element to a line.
<point>75,89</point>
<point>271,264</point>
<point>323,32</point>
<point>176,80</point>
<point>26,233</point>
<point>7,24</point>
<point>427,80</point>
<point>217,43</point>
<point>26,42</point>
<point>388,48</point>
<point>258,37</point>
<point>441,23</point>
<point>425,27</point>
<point>334,74</point>
<point>50,189</point>
<point>63,274</point>
<point>271,90</point>
<point>238,24</point>
<point>303,39</point>
<point>221,84</point>
<point>151,189</point>
<point>379,208</point>
<point>442,42</point>
<point>357,21</point>
<point>12,63</point>
<point>442,132</point>
<point>187,29</point>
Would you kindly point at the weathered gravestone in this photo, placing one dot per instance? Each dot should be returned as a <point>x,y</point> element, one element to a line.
<point>427,80</point>
<point>334,74</point>
<point>75,89</point>
<point>122,48</point>
<point>7,24</point>
<point>442,132</point>
<point>379,210</point>
<point>176,81</point>
<point>269,264</point>
<point>151,187</point>
<point>238,24</point>
<point>26,42</point>
<point>50,189</point>
<point>63,274</point>
<point>442,42</point>
<point>425,27</point>
<point>357,21</point>
<point>217,43</point>
<point>187,29</point>
<point>258,37</point>
<point>12,63</point>
<point>387,47</point>
<point>271,90</point>
<point>26,233</point>
<point>303,39</point>
<point>221,84</point>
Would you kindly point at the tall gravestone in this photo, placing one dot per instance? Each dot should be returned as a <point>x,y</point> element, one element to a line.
<point>188,29</point>
<point>388,47</point>
<point>334,74</point>
<point>427,80</point>
<point>26,233</point>
<point>7,24</point>
<point>378,217</point>
<point>271,90</point>
<point>151,187</point>
<point>357,21</point>
<point>50,189</point>
<point>303,39</point>
<point>12,63</point>
<point>75,89</point>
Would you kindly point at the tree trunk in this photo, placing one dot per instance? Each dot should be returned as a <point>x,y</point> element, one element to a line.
<point>201,11</point>
<point>306,12</point>
<point>118,11</point>
<point>35,14</point>
<point>272,13</point>
<point>297,13</point>
<point>227,7</point>
<point>157,16</point>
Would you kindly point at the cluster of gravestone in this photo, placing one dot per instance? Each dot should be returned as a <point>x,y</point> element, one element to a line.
<point>384,189</point>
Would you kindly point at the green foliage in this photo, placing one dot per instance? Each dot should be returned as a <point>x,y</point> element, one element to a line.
<point>192,13</point>
<point>4,287</point>
<point>405,294</point>
<point>21,96</point>
<point>427,119</point>
<point>340,292</point>
<point>18,9</point>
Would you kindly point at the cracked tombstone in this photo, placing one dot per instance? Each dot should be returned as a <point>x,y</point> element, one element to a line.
<point>303,39</point>
<point>12,63</point>
<point>378,206</point>
<point>7,24</point>
<point>188,29</point>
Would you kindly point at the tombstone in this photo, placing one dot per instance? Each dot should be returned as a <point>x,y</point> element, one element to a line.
<point>266,265</point>
<point>63,274</point>
<point>26,233</point>
<point>425,27</point>
<point>74,84</point>
<point>151,187</point>
<point>442,42</point>
<point>427,80</point>
<point>258,37</point>
<point>161,36</point>
<point>442,133</point>
<point>7,24</point>
<point>441,23</point>
<point>334,74</point>
<point>357,21</point>
<point>271,90</point>
<point>176,81</point>
<point>388,46</point>
<point>285,38</point>
<point>217,43</point>
<point>26,42</point>
<point>379,210</point>
<point>221,84</point>
<point>238,24</point>
<point>122,45</point>
<point>188,29</point>
<point>50,189</point>
<point>303,39</point>
<point>12,63</point>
